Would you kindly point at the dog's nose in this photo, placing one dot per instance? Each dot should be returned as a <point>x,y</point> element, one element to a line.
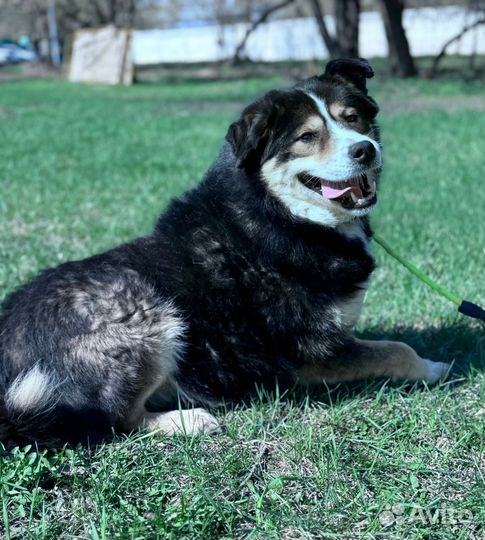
<point>363,152</point>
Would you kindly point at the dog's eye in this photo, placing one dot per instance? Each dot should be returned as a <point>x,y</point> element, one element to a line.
<point>351,118</point>
<point>308,136</point>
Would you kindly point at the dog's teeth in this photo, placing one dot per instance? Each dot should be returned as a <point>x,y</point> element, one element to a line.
<point>353,196</point>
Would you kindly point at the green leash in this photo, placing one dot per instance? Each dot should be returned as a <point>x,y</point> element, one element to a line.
<point>465,307</point>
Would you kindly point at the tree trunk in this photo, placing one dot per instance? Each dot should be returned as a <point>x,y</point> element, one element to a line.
<point>112,11</point>
<point>401,61</point>
<point>131,15</point>
<point>347,27</point>
<point>345,43</point>
<point>328,40</point>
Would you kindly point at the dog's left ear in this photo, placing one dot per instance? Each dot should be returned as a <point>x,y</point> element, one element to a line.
<point>355,70</point>
<point>249,136</point>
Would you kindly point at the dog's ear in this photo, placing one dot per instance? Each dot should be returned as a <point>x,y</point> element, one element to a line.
<point>355,70</point>
<point>250,135</point>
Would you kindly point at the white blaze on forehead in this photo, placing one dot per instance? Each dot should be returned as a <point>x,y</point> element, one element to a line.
<point>342,137</point>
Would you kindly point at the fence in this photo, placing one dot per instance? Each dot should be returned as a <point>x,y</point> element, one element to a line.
<point>298,39</point>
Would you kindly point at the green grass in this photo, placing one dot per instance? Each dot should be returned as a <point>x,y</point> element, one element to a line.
<point>85,168</point>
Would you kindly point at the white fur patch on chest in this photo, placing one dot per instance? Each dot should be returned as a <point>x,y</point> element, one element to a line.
<point>348,311</point>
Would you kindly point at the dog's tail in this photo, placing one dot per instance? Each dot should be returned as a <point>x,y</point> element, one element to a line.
<point>33,411</point>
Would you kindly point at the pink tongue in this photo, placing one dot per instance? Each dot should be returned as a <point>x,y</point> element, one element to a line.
<point>330,193</point>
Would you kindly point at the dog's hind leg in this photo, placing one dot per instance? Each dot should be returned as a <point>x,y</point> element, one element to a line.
<point>180,421</point>
<point>362,358</point>
<point>82,353</point>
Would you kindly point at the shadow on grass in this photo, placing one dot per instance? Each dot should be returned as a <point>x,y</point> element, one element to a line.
<point>461,343</point>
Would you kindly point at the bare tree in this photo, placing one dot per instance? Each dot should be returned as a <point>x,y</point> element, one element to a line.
<point>475,7</point>
<point>345,42</point>
<point>265,14</point>
<point>400,59</point>
<point>457,37</point>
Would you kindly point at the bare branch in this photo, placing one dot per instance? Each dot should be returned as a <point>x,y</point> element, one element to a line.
<point>261,19</point>
<point>464,30</point>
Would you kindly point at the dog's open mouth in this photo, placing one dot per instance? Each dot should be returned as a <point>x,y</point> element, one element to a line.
<point>355,193</point>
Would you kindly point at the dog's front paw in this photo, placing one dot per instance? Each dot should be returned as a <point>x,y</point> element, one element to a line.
<point>435,371</point>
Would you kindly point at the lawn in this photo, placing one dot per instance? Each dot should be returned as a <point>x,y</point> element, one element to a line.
<point>85,168</point>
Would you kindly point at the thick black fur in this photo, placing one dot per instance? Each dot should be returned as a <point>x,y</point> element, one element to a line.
<point>254,284</point>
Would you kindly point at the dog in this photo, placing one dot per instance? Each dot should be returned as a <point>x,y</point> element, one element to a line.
<point>256,276</point>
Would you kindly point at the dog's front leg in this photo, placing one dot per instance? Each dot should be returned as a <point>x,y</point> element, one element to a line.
<point>362,358</point>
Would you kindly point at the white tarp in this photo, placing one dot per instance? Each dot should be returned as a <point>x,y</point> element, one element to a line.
<point>102,56</point>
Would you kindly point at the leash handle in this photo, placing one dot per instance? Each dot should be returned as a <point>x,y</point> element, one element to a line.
<point>464,306</point>
<point>472,310</point>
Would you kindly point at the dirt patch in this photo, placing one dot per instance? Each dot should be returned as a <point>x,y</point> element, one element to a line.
<point>28,71</point>
<point>222,72</point>
<point>397,106</point>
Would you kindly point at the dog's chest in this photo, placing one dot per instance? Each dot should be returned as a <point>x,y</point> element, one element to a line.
<point>319,302</point>
<point>261,313</point>
<point>285,297</point>
<point>279,289</point>
<point>347,310</point>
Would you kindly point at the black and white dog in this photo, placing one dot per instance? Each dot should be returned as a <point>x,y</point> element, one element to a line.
<point>256,275</point>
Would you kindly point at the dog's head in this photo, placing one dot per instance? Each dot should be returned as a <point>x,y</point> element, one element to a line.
<point>316,145</point>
